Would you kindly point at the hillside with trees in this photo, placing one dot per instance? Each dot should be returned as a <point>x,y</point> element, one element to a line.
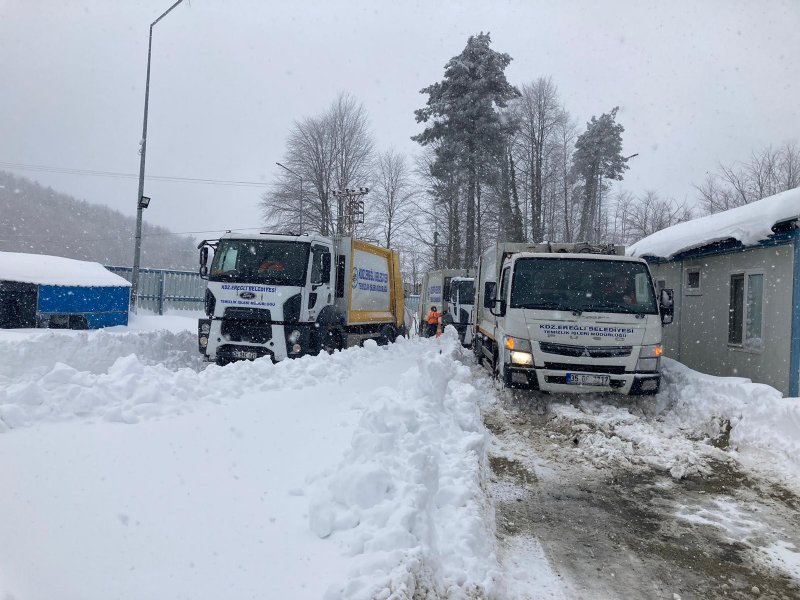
<point>39,220</point>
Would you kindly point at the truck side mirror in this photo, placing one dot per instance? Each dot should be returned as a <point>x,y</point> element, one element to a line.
<point>667,306</point>
<point>498,312</point>
<point>326,267</point>
<point>204,262</point>
<point>488,294</point>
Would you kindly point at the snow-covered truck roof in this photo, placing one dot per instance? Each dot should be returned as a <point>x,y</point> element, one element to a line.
<point>55,270</point>
<point>748,224</point>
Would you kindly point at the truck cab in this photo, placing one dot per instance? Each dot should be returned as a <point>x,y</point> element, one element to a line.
<point>460,306</point>
<point>571,322</point>
<point>265,296</point>
<point>285,296</point>
<point>452,291</point>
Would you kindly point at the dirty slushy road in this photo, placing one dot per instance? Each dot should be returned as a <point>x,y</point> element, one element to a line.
<point>621,508</point>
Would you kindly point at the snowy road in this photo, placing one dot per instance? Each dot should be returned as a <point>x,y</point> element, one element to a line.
<point>130,470</point>
<point>623,506</point>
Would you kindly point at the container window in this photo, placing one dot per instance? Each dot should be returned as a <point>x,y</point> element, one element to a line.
<point>755,311</point>
<point>736,309</point>
<point>693,281</point>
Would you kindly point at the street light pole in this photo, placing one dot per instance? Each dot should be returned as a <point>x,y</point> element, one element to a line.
<point>301,192</point>
<point>137,252</point>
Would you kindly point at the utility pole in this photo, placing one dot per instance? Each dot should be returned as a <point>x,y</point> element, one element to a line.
<point>301,192</point>
<point>140,206</point>
<point>351,209</point>
<point>435,249</point>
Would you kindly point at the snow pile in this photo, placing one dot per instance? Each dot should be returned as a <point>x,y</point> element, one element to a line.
<point>354,475</point>
<point>689,426</point>
<point>136,375</point>
<point>748,224</point>
<point>764,426</point>
<point>56,270</point>
<point>407,499</point>
<point>610,434</point>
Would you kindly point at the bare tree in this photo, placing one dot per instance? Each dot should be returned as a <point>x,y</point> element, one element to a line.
<point>329,151</point>
<point>538,114</point>
<point>649,213</point>
<point>767,173</point>
<point>789,168</point>
<point>392,195</point>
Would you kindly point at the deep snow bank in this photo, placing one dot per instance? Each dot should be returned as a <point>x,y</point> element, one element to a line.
<point>764,426</point>
<point>49,375</point>
<point>354,475</point>
<point>408,498</point>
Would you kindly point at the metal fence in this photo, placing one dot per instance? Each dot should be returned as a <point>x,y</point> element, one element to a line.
<point>161,289</point>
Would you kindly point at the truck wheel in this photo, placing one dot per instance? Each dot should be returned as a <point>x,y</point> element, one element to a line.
<point>388,335</point>
<point>332,341</point>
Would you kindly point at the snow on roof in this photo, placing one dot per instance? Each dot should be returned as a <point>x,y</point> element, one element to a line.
<point>748,224</point>
<point>56,270</point>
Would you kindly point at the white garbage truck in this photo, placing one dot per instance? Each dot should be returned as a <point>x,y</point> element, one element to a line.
<point>570,318</point>
<point>453,291</point>
<point>286,295</point>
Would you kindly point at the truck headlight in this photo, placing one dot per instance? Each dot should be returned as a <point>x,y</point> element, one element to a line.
<point>294,336</point>
<point>203,341</point>
<point>205,328</point>
<point>650,358</point>
<point>518,344</point>
<point>654,351</point>
<point>522,358</point>
<point>647,364</point>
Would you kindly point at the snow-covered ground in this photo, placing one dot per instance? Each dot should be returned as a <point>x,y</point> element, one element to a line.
<point>133,470</point>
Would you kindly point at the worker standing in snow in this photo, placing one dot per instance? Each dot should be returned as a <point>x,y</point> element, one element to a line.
<point>445,319</point>
<point>433,321</point>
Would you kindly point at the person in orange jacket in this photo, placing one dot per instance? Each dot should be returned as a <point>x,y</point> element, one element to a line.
<point>433,321</point>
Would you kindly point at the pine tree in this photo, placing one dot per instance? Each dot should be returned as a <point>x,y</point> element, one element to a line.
<point>598,156</point>
<point>463,110</point>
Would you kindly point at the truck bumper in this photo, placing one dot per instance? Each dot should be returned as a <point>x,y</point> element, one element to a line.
<point>216,346</point>
<point>546,380</point>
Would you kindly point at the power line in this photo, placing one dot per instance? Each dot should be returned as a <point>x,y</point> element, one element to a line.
<point>48,236</point>
<point>119,175</point>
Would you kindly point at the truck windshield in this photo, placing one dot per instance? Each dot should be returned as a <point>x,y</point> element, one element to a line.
<point>465,290</point>
<point>260,261</point>
<point>583,284</point>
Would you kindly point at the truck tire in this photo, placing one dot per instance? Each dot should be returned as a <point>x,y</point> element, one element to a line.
<point>332,340</point>
<point>387,336</point>
<point>477,349</point>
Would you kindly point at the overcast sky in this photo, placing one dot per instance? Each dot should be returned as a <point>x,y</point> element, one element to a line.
<point>696,82</point>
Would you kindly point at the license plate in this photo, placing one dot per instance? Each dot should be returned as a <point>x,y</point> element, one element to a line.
<point>581,379</point>
<point>244,354</point>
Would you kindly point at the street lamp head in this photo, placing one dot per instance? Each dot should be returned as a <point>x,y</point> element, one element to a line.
<point>144,202</point>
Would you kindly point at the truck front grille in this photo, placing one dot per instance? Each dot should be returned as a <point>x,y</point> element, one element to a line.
<point>590,351</point>
<point>247,325</point>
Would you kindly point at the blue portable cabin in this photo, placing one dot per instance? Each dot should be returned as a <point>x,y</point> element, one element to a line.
<point>61,293</point>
